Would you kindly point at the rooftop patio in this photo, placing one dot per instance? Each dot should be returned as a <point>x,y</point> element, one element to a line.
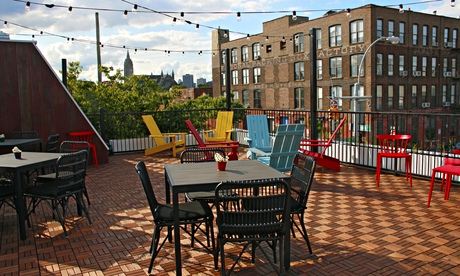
<point>354,228</point>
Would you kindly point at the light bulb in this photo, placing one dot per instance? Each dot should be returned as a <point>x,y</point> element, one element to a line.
<point>452,3</point>
<point>401,9</point>
<point>294,15</point>
<point>238,16</point>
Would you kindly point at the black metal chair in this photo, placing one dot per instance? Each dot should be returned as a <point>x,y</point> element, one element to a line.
<point>58,187</point>
<point>52,143</point>
<point>200,155</point>
<point>252,212</point>
<point>302,173</point>
<point>189,213</point>
<point>74,146</point>
<point>6,192</point>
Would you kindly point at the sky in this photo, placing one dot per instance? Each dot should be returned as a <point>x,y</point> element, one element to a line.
<point>146,29</point>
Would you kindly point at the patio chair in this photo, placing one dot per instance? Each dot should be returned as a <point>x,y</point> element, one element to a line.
<point>163,141</point>
<point>320,157</point>
<point>74,146</point>
<point>301,179</point>
<point>189,213</point>
<point>223,130</point>
<point>87,136</point>
<point>394,146</point>
<point>58,187</point>
<point>52,143</point>
<point>6,192</point>
<point>258,135</point>
<point>231,145</point>
<point>285,147</point>
<point>252,212</point>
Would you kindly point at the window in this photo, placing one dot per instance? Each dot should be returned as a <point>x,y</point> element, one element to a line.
<point>223,80</point>
<point>235,95</point>
<point>378,95</point>
<point>444,93</point>
<point>424,99</point>
<point>320,98</point>
<point>402,32</point>
<point>424,64</point>
<point>245,76</point>
<point>282,44</point>
<point>256,51</point>
<point>401,97</point>
<point>379,65</point>
<point>357,31</point>
<point>401,65</point>
<point>336,93</point>
<point>245,98</point>
<point>414,34</point>
<point>335,36</point>
<point>223,57</point>
<point>433,95</point>
<point>446,35</point>
<point>257,75</point>
<point>390,64</point>
<point>390,97</point>
<point>454,38</point>
<point>257,98</point>
<point>452,93</point>
<point>391,28</point>
<point>245,53</point>
<point>319,69</point>
<point>318,39</point>
<point>414,96</point>
<point>354,64</point>
<point>414,64</point>
<point>453,69</point>
<point>234,77</point>
<point>434,64</point>
<point>298,43</point>
<point>234,56</point>
<point>379,28</point>
<point>335,67</point>
<point>299,97</point>
<point>299,73</point>
<point>425,35</point>
<point>434,36</point>
<point>445,65</point>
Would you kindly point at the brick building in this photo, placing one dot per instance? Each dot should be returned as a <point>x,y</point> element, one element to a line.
<point>272,69</point>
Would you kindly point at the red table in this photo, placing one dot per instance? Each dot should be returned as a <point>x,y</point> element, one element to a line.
<point>447,171</point>
<point>86,136</point>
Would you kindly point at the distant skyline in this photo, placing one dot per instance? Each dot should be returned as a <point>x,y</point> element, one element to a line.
<point>150,30</point>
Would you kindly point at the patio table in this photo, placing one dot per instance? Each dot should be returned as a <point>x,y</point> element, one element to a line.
<point>193,177</point>
<point>8,144</point>
<point>18,167</point>
<point>447,171</point>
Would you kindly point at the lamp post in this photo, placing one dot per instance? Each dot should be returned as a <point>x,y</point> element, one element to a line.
<point>356,97</point>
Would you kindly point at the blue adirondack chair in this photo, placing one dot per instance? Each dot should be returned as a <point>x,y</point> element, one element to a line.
<point>285,147</point>
<point>258,135</point>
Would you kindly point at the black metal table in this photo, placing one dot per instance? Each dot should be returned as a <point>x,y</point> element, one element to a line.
<point>18,167</point>
<point>9,144</point>
<point>193,177</point>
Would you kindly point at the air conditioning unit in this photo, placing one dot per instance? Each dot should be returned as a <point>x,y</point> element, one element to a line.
<point>403,73</point>
<point>417,73</point>
<point>446,104</point>
<point>435,44</point>
<point>426,105</point>
<point>448,44</point>
<point>447,74</point>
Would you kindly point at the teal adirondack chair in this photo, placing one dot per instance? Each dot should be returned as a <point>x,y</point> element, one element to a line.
<point>258,135</point>
<point>285,147</point>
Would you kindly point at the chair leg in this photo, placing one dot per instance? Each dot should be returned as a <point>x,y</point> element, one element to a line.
<point>154,246</point>
<point>81,201</point>
<point>377,175</point>
<point>85,191</point>
<point>409,169</point>
<point>305,233</point>
<point>55,208</point>
<point>430,193</point>
<point>222,257</point>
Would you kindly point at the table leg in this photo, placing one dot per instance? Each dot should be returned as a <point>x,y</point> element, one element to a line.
<point>177,234</point>
<point>287,249</point>
<point>20,204</point>
<point>168,201</point>
<point>430,193</point>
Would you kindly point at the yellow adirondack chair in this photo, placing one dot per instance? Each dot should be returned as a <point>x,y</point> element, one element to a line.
<point>223,130</point>
<point>163,141</point>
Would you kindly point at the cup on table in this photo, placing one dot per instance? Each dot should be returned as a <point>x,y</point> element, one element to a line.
<point>221,166</point>
<point>17,155</point>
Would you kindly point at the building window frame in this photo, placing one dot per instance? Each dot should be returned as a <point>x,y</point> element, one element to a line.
<point>401,64</point>
<point>379,64</point>
<point>335,67</point>
<point>391,28</point>
<point>337,93</point>
<point>434,65</point>
<point>390,96</point>
<point>402,32</point>
<point>299,42</point>
<point>299,98</point>
<point>245,73</point>
<point>355,60</point>
<point>319,69</point>
<point>256,51</point>
<point>244,53</point>
<point>234,55</point>
<point>299,71</point>
<point>335,35</point>
<point>378,97</point>
<point>234,77</point>
<point>257,74</point>
<point>357,31</point>
<point>401,92</point>
<point>318,39</point>
<point>425,35</point>
<point>414,34</point>
<point>379,28</point>
<point>257,98</point>
<point>434,36</point>
<point>391,64</point>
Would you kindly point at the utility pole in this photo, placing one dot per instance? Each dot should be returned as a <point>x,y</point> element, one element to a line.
<point>64,71</point>
<point>98,50</point>
<point>313,90</point>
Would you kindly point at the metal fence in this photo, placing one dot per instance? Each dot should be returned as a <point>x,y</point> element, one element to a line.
<point>433,135</point>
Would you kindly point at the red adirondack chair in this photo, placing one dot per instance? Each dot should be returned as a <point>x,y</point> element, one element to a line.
<point>232,146</point>
<point>321,159</point>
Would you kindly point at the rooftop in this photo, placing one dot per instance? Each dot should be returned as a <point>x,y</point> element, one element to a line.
<point>354,228</point>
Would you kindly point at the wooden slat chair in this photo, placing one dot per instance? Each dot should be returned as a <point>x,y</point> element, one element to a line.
<point>223,130</point>
<point>230,145</point>
<point>285,147</point>
<point>394,146</point>
<point>320,157</point>
<point>258,135</point>
<point>163,141</point>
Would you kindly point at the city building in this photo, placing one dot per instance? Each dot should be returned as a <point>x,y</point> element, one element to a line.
<point>200,81</point>
<point>128,66</point>
<point>272,69</point>
<point>187,81</point>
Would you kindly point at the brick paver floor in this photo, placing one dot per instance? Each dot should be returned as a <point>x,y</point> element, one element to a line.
<point>355,229</point>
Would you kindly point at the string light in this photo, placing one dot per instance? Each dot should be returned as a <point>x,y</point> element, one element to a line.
<point>197,26</point>
<point>294,15</point>
<point>181,14</point>
<point>348,12</point>
<point>125,13</point>
<point>452,3</point>
<point>135,7</point>
<point>70,9</point>
<point>49,5</point>
<point>238,16</point>
<point>401,8</point>
<point>174,20</point>
<point>248,36</point>
<point>27,6</point>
